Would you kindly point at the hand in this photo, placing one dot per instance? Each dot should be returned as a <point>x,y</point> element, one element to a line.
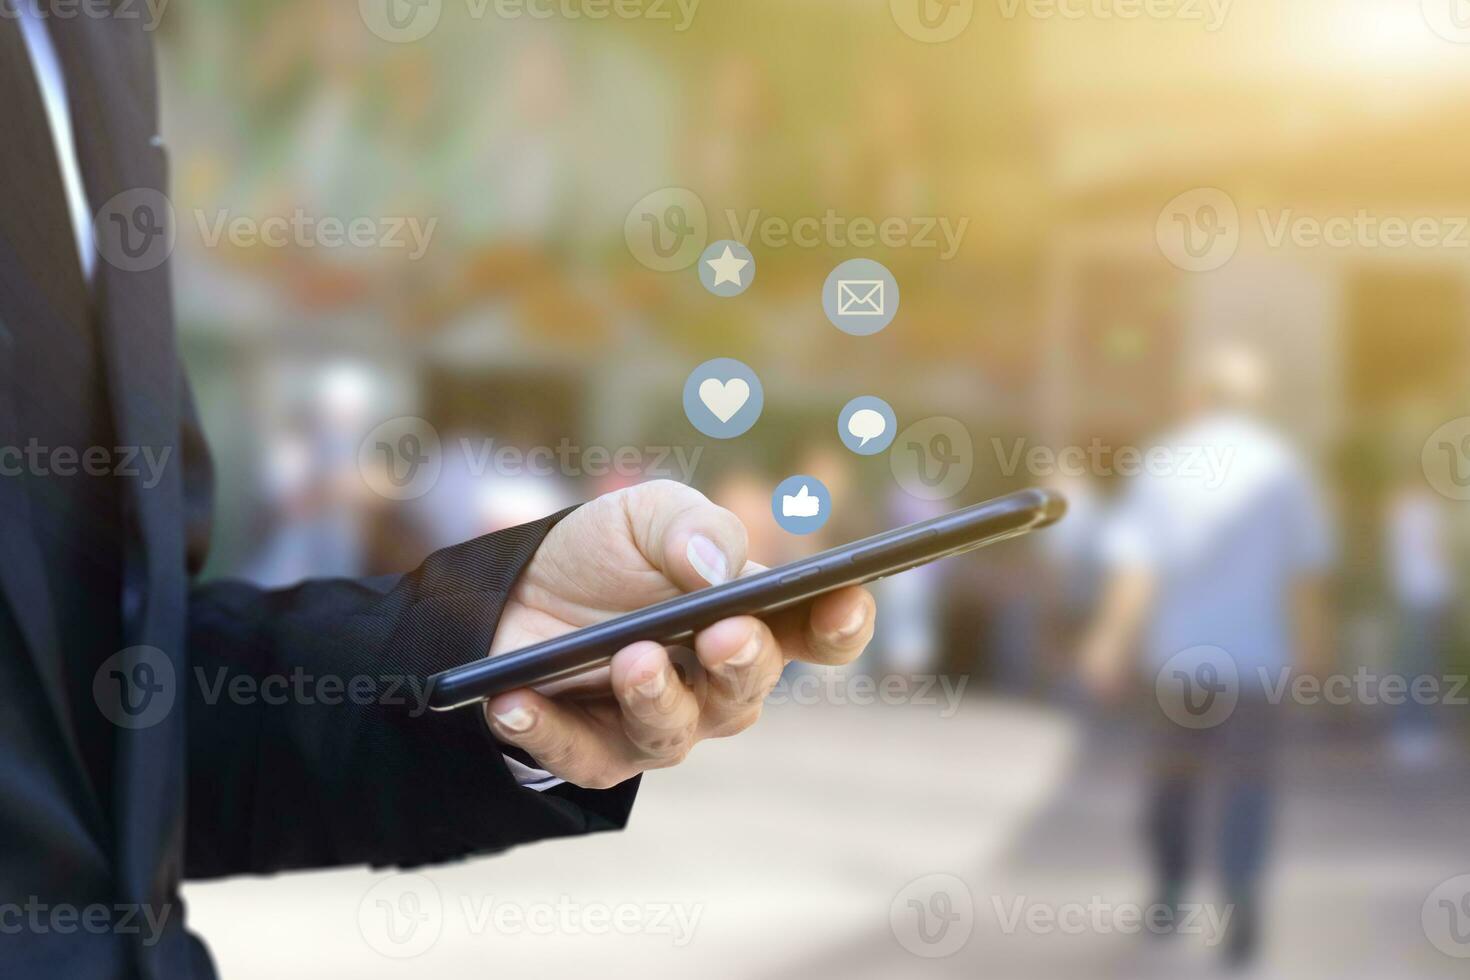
<point>1106,663</point>
<point>624,551</point>
<point>1105,674</point>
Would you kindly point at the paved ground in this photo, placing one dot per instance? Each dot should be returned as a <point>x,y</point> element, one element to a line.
<point>782,854</point>
<point>1357,853</point>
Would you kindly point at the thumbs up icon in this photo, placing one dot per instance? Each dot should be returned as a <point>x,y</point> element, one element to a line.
<point>803,504</point>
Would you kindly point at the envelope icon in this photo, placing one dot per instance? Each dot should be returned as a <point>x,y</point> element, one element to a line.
<point>861,297</point>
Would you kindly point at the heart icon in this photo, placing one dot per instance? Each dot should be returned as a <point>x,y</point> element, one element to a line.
<point>724,398</point>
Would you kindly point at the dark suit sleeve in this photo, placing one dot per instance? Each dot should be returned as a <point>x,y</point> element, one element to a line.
<point>309,744</point>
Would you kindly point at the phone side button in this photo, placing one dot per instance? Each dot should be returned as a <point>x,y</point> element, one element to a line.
<point>801,576</point>
<point>886,548</point>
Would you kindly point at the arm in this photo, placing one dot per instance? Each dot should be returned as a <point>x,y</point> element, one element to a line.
<point>1108,647</point>
<point>309,745</point>
<point>332,760</point>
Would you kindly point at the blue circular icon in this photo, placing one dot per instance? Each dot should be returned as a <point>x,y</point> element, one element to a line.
<point>723,398</point>
<point>801,504</point>
<point>860,297</point>
<point>727,268</point>
<point>867,425</point>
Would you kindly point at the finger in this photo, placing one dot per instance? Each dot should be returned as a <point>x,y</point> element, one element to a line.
<point>562,738</point>
<point>744,662</point>
<point>660,713</point>
<point>681,533</point>
<point>833,629</point>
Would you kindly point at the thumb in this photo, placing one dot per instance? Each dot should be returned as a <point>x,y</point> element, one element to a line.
<point>681,533</point>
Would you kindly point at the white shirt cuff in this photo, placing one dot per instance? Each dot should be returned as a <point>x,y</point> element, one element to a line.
<point>528,778</point>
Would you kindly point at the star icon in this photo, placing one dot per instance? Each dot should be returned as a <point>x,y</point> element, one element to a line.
<point>727,268</point>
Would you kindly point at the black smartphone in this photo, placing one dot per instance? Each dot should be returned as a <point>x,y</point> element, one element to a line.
<point>676,620</point>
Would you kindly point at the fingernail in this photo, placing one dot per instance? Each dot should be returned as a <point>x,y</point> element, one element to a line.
<point>517,719</point>
<point>854,624</point>
<point>654,687</point>
<point>708,560</point>
<point>746,655</point>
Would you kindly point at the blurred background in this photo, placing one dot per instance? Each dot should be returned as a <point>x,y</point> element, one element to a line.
<point>1233,230</point>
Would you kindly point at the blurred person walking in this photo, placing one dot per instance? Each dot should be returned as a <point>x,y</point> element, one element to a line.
<point>1422,580</point>
<point>1216,562</point>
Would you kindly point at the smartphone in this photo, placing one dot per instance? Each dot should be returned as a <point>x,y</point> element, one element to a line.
<point>675,621</point>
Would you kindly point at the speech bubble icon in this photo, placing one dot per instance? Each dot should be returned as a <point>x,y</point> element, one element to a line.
<point>867,425</point>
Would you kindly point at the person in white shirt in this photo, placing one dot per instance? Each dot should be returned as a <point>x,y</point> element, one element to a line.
<point>1222,550</point>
